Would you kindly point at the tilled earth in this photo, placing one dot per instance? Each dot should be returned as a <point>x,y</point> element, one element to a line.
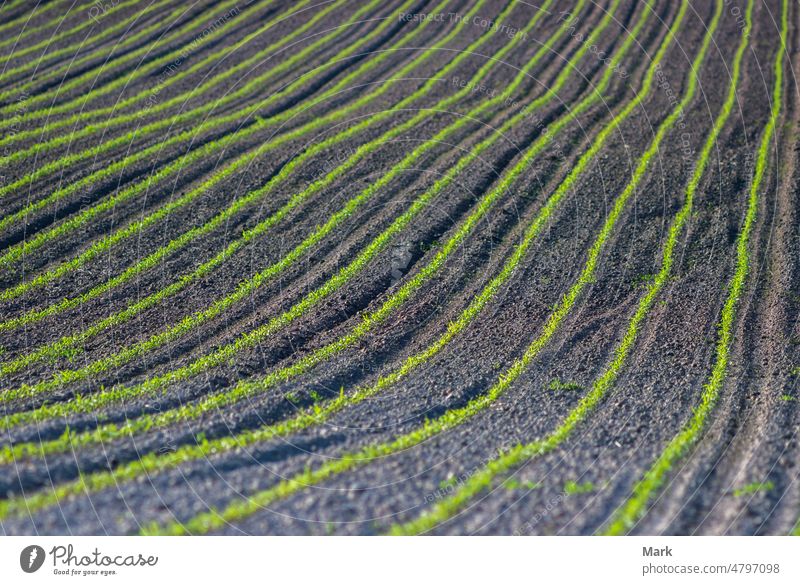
<point>501,268</point>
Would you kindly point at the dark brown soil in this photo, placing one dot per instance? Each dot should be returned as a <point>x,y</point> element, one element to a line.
<point>749,439</point>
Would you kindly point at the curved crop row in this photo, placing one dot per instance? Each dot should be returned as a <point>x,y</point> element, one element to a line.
<point>104,33</point>
<point>218,220</point>
<point>106,242</point>
<point>189,136</point>
<point>237,205</point>
<point>123,55</point>
<point>39,239</point>
<point>83,116</point>
<point>247,287</point>
<point>111,431</point>
<point>254,196</point>
<point>79,103</point>
<point>14,23</point>
<point>207,125</point>
<point>239,510</point>
<point>485,477</point>
<point>560,81</point>
<point>319,414</point>
<point>98,481</point>
<point>636,506</point>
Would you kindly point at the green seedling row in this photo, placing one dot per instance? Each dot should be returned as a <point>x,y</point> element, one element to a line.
<point>243,508</point>
<point>119,61</point>
<point>105,32</point>
<point>14,253</point>
<point>14,23</point>
<point>321,412</point>
<point>644,491</point>
<point>246,288</point>
<point>520,454</point>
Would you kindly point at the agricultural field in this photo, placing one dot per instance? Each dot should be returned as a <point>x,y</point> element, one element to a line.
<point>399,267</point>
